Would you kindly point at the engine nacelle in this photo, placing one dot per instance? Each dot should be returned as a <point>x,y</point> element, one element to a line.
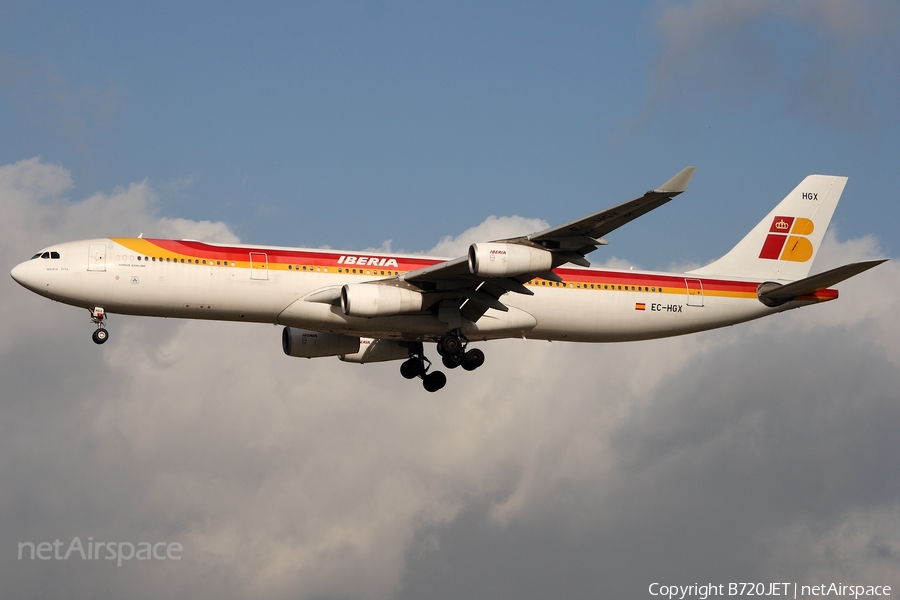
<point>313,344</point>
<point>372,300</point>
<point>507,260</point>
<point>377,351</point>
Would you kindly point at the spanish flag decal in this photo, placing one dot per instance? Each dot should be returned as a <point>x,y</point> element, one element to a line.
<point>640,306</point>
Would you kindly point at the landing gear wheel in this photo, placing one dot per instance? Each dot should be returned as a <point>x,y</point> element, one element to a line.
<point>473,359</point>
<point>412,368</point>
<point>451,361</point>
<point>100,336</point>
<point>434,381</point>
<point>450,344</point>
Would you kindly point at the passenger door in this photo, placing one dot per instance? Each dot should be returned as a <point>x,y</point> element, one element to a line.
<point>97,257</point>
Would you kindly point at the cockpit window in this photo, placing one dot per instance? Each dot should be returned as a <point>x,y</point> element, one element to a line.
<point>38,255</point>
<point>54,255</point>
<point>45,255</point>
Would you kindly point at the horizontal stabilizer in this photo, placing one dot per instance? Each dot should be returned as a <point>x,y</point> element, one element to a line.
<point>775,294</point>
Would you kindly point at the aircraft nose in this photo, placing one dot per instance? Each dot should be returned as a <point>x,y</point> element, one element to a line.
<point>20,273</point>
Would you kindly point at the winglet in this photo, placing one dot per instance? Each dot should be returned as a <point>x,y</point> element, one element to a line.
<point>679,182</point>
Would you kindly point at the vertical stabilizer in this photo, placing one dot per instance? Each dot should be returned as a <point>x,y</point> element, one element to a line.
<point>782,246</point>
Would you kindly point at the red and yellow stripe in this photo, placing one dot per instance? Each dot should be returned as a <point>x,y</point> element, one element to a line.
<point>283,259</point>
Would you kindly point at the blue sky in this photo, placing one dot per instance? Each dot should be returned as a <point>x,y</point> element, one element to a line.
<point>353,123</point>
<point>761,452</point>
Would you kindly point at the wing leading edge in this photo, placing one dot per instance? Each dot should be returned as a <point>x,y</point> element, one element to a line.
<point>458,289</point>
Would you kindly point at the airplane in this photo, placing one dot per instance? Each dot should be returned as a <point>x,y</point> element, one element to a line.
<point>366,307</point>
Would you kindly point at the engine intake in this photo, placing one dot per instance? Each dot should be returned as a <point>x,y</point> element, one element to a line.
<point>372,300</point>
<point>507,260</point>
<point>313,344</point>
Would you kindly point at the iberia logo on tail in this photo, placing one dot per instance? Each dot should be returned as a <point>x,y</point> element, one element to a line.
<point>787,240</point>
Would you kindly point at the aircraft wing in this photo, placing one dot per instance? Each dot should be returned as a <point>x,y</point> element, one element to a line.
<point>454,286</point>
<point>585,234</point>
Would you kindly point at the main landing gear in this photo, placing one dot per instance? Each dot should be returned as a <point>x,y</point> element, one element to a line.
<point>452,349</point>
<point>98,315</point>
<point>415,366</point>
<point>454,354</point>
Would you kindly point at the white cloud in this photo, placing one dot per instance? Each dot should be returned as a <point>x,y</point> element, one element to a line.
<point>207,231</point>
<point>286,477</point>
<point>493,228</point>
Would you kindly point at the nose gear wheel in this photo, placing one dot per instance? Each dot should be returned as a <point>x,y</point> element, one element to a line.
<point>98,315</point>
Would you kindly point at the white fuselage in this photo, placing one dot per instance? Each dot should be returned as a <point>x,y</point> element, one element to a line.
<point>194,280</point>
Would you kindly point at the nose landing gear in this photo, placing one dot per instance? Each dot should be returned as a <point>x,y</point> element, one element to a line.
<point>98,315</point>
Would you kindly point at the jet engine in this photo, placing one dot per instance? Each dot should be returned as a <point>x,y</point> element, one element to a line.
<point>313,344</point>
<point>372,300</point>
<point>507,260</point>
